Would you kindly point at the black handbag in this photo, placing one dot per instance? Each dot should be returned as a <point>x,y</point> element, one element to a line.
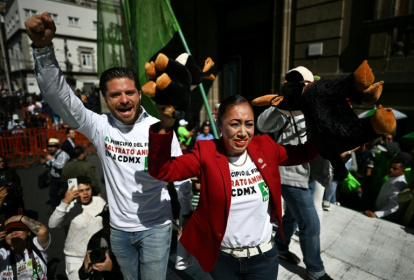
<point>43,180</point>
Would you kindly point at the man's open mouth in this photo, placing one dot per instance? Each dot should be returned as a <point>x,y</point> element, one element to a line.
<point>125,110</point>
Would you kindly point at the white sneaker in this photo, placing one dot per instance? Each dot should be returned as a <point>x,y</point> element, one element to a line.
<point>326,205</point>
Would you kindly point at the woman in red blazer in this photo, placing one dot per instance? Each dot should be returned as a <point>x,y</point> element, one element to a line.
<point>230,232</point>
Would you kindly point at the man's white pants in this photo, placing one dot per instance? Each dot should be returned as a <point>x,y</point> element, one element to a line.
<point>72,268</point>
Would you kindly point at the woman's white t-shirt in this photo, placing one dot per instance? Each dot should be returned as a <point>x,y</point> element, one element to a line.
<point>248,223</point>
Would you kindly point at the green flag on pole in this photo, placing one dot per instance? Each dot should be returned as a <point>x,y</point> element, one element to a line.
<point>150,27</point>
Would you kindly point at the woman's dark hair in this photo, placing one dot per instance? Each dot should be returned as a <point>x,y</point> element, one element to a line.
<point>116,73</point>
<point>228,103</point>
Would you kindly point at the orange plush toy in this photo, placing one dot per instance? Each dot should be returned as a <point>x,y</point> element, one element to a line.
<point>327,108</point>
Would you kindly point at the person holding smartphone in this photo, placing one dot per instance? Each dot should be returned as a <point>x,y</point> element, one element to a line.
<point>78,208</point>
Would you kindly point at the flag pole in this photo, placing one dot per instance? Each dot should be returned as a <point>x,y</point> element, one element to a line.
<point>203,94</point>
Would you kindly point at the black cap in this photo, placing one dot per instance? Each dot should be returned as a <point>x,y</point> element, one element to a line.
<point>390,147</point>
<point>404,156</point>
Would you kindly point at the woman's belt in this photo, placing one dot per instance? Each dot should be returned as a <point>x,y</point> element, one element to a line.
<point>248,252</point>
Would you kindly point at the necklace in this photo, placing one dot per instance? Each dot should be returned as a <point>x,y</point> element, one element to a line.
<point>238,165</point>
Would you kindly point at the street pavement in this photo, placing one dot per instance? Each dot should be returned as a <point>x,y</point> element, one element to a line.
<point>353,246</point>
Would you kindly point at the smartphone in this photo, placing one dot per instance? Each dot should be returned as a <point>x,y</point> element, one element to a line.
<point>73,182</point>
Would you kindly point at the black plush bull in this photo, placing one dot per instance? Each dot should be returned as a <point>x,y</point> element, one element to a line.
<point>327,107</point>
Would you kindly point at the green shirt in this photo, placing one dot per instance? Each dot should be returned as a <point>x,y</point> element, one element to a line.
<point>182,132</point>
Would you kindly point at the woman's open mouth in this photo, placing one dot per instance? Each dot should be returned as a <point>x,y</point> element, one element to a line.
<point>241,142</point>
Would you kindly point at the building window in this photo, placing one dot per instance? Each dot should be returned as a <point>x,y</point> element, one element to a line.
<point>54,17</point>
<point>73,21</point>
<point>28,13</point>
<point>86,60</point>
<point>95,25</point>
<point>17,16</point>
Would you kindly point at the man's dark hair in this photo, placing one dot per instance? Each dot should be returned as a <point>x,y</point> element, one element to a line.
<point>84,180</point>
<point>116,73</point>
<point>203,126</point>
<point>77,151</point>
<point>399,161</point>
<point>69,129</point>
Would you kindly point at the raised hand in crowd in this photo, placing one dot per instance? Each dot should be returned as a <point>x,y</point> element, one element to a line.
<point>34,226</point>
<point>70,195</point>
<point>41,29</point>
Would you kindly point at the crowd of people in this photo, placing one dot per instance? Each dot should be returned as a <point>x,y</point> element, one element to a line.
<point>240,181</point>
<point>36,110</point>
<point>387,173</point>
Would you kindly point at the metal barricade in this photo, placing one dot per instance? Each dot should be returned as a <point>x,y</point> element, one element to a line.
<point>25,146</point>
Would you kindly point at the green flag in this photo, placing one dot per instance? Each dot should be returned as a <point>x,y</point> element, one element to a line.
<point>151,25</point>
<point>110,48</point>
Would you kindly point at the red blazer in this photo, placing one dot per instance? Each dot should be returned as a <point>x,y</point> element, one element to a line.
<point>208,162</point>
